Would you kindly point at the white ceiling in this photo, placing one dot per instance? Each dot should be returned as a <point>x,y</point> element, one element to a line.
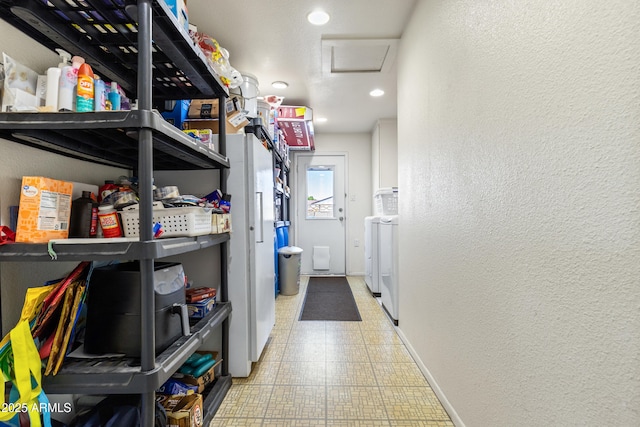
<point>324,66</point>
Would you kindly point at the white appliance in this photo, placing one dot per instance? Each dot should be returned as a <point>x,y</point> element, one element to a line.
<point>251,251</point>
<point>388,258</point>
<point>371,266</point>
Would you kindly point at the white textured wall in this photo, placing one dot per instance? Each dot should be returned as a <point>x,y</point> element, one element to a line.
<point>357,146</point>
<point>519,146</point>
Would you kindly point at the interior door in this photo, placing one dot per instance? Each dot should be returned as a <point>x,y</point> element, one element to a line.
<point>320,213</point>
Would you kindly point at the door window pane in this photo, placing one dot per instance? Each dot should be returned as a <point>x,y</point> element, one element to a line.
<point>320,192</point>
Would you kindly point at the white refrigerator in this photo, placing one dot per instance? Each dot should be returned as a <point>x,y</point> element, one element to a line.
<point>251,251</point>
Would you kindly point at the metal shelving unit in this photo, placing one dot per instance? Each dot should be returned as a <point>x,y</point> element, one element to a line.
<point>115,37</point>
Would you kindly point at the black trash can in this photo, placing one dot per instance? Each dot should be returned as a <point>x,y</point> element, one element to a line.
<point>289,258</point>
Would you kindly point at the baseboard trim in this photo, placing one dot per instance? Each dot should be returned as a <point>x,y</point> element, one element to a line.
<point>455,418</point>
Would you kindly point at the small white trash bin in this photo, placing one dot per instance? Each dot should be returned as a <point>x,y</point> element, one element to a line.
<point>289,258</point>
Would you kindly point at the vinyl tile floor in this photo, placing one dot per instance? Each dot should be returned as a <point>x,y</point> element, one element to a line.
<point>321,373</point>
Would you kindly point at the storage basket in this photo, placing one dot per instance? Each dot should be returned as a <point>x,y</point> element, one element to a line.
<point>386,201</point>
<point>176,222</point>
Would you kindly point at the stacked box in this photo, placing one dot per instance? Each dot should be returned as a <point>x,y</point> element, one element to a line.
<point>203,380</point>
<point>183,411</point>
<point>220,223</point>
<point>199,309</point>
<point>44,211</point>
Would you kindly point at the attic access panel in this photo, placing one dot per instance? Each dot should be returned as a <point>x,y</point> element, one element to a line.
<point>340,56</point>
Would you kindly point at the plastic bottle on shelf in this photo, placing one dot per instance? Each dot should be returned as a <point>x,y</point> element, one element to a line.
<point>76,62</point>
<point>105,190</point>
<point>85,91</point>
<point>84,217</point>
<point>114,96</point>
<point>100,94</point>
<point>53,84</point>
<point>109,221</point>
<point>67,81</point>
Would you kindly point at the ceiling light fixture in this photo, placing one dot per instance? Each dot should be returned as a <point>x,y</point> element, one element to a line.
<point>376,92</point>
<point>318,17</point>
<point>280,84</point>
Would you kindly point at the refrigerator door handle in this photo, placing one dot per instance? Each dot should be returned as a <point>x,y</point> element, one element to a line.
<point>260,212</point>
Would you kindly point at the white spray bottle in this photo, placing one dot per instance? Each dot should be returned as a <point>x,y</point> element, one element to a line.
<point>67,82</point>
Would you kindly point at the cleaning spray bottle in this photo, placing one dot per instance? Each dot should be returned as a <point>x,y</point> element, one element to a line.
<point>84,98</point>
<point>76,62</point>
<point>67,82</point>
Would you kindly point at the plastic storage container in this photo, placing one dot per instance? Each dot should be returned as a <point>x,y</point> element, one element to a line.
<point>289,258</point>
<point>282,240</point>
<point>176,222</point>
<point>386,201</point>
<point>249,92</point>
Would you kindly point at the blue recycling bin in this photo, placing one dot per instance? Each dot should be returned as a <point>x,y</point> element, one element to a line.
<point>281,240</point>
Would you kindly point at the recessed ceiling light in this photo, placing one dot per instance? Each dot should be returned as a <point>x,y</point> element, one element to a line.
<point>318,17</point>
<point>321,120</point>
<point>376,92</point>
<point>280,84</point>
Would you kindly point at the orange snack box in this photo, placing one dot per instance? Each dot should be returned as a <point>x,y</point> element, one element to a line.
<point>45,207</point>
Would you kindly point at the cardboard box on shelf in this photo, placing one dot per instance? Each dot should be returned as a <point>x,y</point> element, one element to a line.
<point>194,294</point>
<point>179,9</point>
<point>183,411</point>
<point>203,380</point>
<point>236,121</point>
<point>221,223</point>
<point>178,115</point>
<point>203,109</point>
<point>204,137</point>
<point>296,125</point>
<point>199,309</point>
<point>44,211</point>
<point>208,108</point>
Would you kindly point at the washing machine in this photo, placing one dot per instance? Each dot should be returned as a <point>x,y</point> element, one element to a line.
<point>388,261</point>
<point>371,266</point>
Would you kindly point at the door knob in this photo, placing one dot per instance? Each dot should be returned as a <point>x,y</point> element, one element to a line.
<point>341,218</point>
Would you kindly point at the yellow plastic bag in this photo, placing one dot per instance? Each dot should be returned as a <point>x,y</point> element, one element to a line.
<point>32,303</point>
<point>22,367</point>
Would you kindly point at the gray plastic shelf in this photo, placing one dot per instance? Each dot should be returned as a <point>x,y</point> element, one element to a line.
<point>123,376</point>
<point>214,396</point>
<point>111,138</point>
<point>109,249</point>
